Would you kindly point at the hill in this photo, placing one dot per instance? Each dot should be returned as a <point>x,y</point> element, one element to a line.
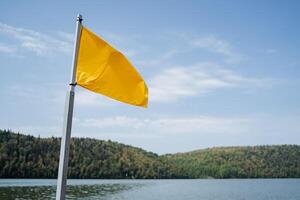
<point>275,161</point>
<point>25,156</point>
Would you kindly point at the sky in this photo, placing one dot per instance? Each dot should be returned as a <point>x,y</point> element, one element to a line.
<point>220,73</point>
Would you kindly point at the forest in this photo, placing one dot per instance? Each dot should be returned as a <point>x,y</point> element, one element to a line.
<point>26,156</point>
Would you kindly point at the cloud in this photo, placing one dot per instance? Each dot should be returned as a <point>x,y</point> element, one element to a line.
<point>36,42</point>
<point>172,125</point>
<point>164,134</point>
<point>128,44</point>
<point>216,45</point>
<point>167,85</point>
<point>178,82</point>
<point>39,130</point>
<point>25,92</point>
<point>66,36</point>
<point>87,98</point>
<point>270,51</point>
<point>83,98</point>
<point>119,121</point>
<point>189,42</point>
<point>6,48</point>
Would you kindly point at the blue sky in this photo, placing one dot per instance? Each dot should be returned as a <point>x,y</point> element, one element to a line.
<point>220,73</point>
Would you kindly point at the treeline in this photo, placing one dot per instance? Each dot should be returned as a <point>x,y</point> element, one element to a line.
<point>275,161</point>
<point>25,156</point>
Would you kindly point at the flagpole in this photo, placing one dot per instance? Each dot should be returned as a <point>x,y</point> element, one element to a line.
<point>67,126</point>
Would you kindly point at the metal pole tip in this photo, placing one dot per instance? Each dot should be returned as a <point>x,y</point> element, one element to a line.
<point>79,17</point>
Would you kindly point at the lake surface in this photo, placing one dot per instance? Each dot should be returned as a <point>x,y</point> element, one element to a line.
<point>212,189</point>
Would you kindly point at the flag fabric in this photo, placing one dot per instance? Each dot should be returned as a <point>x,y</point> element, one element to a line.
<point>103,69</point>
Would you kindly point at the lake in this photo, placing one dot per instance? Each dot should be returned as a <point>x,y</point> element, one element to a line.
<point>196,189</point>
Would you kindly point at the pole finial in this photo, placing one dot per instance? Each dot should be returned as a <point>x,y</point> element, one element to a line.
<point>79,18</point>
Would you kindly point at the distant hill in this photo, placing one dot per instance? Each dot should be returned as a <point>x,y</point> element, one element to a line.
<point>275,161</point>
<point>25,156</point>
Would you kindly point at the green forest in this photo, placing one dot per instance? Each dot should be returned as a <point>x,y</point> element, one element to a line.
<point>26,156</point>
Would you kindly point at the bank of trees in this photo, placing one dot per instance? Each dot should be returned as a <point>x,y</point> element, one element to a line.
<point>24,156</point>
<point>34,157</point>
<point>275,161</point>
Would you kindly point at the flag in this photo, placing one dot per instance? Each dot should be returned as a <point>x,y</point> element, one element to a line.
<point>103,69</point>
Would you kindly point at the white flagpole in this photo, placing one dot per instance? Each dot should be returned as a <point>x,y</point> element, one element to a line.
<point>67,126</point>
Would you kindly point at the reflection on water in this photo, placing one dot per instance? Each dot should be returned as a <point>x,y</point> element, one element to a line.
<point>95,191</point>
<point>102,191</point>
<point>42,192</point>
<point>231,189</point>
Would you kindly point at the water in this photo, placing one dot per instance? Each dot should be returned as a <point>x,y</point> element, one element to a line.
<point>232,189</point>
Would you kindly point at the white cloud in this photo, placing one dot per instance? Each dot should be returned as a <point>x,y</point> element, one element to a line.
<point>39,43</point>
<point>172,84</point>
<point>43,131</point>
<point>20,91</point>
<point>200,124</point>
<point>6,48</point>
<point>174,134</point>
<point>271,51</point>
<point>87,98</point>
<point>83,98</point>
<point>216,45</point>
<point>66,36</point>
<point>126,44</point>
<point>188,42</point>
<point>118,121</point>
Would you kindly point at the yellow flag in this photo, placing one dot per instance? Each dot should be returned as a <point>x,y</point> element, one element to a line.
<point>103,69</point>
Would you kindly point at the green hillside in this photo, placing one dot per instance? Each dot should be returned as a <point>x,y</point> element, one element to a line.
<point>27,156</point>
<point>24,156</point>
<point>276,161</point>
